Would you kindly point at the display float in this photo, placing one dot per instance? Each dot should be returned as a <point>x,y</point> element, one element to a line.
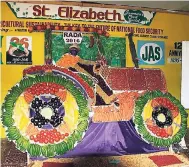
<point>58,100</point>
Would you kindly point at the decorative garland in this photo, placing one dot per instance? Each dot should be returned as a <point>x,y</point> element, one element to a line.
<point>150,130</point>
<point>46,150</point>
<point>48,46</point>
<point>40,28</point>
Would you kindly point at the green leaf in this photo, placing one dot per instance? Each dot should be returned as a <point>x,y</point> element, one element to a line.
<point>7,121</point>
<point>82,126</point>
<point>70,143</point>
<point>22,143</point>
<point>13,133</point>
<point>77,135</point>
<point>34,150</point>
<point>48,151</point>
<point>61,148</point>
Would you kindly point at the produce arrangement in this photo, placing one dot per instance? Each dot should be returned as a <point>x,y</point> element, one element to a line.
<point>160,118</point>
<point>54,111</point>
<point>47,113</point>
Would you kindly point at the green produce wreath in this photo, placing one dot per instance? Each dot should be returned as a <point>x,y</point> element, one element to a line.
<point>34,148</point>
<point>160,118</point>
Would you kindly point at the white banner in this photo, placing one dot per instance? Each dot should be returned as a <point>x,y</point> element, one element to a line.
<point>65,12</point>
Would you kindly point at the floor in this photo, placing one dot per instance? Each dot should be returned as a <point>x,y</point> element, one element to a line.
<point>11,157</point>
<point>141,160</point>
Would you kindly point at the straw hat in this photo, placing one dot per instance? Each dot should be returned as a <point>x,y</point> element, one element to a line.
<point>74,46</point>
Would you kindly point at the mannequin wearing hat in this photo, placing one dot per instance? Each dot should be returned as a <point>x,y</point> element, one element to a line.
<point>104,94</point>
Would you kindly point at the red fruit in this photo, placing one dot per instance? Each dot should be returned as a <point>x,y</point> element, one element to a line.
<point>40,141</point>
<point>65,28</point>
<point>43,27</point>
<point>82,29</point>
<point>51,91</point>
<point>57,139</point>
<point>74,28</point>
<point>46,91</point>
<point>91,29</point>
<point>38,135</point>
<point>39,28</point>
<point>30,29</point>
<point>159,100</point>
<point>33,92</point>
<point>54,130</point>
<point>164,101</point>
<point>42,92</point>
<point>42,132</point>
<point>35,140</point>
<point>58,134</point>
<point>57,28</point>
<point>31,137</point>
<point>107,34</point>
<point>56,90</point>
<point>29,90</point>
<point>44,83</point>
<point>53,135</point>
<point>99,32</point>
<point>47,132</point>
<point>52,141</point>
<point>66,134</point>
<point>45,141</point>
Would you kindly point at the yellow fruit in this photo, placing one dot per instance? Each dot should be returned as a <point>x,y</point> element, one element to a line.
<point>147,111</point>
<point>71,111</point>
<point>21,114</point>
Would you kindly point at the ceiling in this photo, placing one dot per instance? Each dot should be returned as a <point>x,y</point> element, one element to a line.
<point>168,5</point>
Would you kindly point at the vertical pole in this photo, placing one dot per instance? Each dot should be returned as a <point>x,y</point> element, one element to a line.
<point>48,47</point>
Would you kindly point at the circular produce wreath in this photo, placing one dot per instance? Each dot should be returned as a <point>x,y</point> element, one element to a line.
<point>41,129</point>
<point>160,118</point>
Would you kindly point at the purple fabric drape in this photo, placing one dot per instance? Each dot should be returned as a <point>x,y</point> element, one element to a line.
<point>111,139</point>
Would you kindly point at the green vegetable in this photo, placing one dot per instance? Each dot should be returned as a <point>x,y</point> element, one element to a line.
<point>34,150</point>
<point>48,151</point>
<point>13,133</point>
<point>61,148</point>
<point>22,143</point>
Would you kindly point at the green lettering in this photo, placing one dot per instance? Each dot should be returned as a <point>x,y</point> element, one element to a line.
<point>157,52</point>
<point>151,53</point>
<point>145,55</point>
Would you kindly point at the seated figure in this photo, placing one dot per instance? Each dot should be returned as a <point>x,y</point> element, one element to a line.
<point>104,94</point>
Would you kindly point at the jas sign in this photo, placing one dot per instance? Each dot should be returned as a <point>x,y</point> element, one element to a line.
<point>151,52</point>
<point>64,12</point>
